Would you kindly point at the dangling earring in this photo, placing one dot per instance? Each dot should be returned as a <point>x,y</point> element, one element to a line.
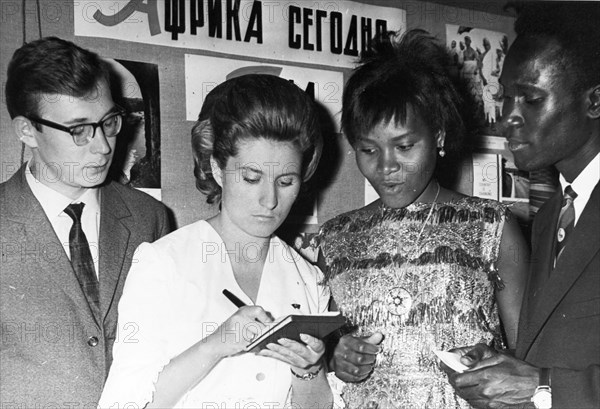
<point>440,137</point>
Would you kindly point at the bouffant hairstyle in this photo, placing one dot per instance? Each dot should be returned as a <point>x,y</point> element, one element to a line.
<point>250,107</point>
<point>398,72</point>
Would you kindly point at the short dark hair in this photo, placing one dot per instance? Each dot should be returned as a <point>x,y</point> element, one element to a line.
<point>250,107</point>
<point>574,26</point>
<point>50,66</point>
<point>395,74</point>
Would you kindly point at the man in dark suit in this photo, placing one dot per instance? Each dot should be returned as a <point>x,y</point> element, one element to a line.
<point>551,80</point>
<point>67,235</point>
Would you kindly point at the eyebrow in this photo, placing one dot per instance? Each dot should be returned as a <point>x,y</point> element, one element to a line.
<point>259,171</point>
<point>250,168</point>
<point>523,87</point>
<point>82,121</point>
<point>393,138</point>
<point>289,174</point>
<point>528,87</point>
<point>402,136</point>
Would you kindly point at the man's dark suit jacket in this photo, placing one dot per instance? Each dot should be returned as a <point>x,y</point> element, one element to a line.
<point>53,352</point>
<point>559,326</point>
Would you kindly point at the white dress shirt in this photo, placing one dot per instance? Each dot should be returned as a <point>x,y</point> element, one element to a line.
<point>173,298</point>
<point>583,185</point>
<point>54,204</point>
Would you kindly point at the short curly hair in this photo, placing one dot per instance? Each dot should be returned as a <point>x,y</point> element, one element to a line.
<point>253,106</point>
<point>399,71</point>
<point>574,26</point>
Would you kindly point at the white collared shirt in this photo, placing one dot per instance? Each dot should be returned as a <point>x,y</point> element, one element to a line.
<point>583,185</point>
<point>173,298</point>
<point>54,204</point>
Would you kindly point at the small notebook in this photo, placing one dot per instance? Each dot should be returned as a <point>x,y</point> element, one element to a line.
<point>291,326</point>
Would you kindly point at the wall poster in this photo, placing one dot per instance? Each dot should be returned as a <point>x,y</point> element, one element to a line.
<point>478,57</point>
<point>137,156</point>
<point>324,32</point>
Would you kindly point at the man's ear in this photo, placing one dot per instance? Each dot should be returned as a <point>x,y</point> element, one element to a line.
<point>594,102</point>
<point>25,131</point>
<point>216,171</point>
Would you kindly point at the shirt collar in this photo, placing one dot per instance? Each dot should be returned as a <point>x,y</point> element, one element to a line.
<point>586,181</point>
<point>53,202</point>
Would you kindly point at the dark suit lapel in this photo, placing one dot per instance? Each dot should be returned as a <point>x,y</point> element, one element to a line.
<point>582,246</point>
<point>540,267</point>
<point>114,242</point>
<point>46,255</point>
<point>544,247</point>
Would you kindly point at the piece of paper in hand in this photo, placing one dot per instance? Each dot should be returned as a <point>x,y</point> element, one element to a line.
<point>451,359</point>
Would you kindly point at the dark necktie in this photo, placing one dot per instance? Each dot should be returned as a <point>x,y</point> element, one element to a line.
<point>81,258</point>
<point>566,220</point>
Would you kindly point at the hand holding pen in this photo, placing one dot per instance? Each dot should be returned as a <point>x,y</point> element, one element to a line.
<point>248,322</point>
<point>239,303</point>
<point>300,355</point>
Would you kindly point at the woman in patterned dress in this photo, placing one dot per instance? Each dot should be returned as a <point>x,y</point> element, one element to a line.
<point>423,267</point>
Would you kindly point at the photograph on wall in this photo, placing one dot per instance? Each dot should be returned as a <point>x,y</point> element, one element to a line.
<point>137,156</point>
<point>324,86</point>
<point>513,184</point>
<point>487,175</point>
<point>478,57</point>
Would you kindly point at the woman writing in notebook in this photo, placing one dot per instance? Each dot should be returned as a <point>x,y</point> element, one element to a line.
<point>256,140</point>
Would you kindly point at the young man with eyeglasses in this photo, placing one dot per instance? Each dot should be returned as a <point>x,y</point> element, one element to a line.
<point>67,234</point>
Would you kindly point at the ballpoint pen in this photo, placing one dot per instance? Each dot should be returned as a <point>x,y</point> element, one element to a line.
<point>238,303</point>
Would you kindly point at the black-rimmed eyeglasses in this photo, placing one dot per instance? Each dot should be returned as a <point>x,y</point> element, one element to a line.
<point>83,133</point>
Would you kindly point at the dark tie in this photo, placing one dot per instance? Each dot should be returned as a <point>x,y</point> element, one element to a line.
<point>81,258</point>
<point>566,220</point>
<point>542,185</point>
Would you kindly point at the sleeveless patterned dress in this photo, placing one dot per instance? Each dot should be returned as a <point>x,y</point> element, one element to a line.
<point>423,277</point>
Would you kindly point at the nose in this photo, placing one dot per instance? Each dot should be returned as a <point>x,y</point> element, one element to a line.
<point>511,115</point>
<point>99,143</point>
<point>514,121</point>
<point>268,197</point>
<point>388,162</point>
